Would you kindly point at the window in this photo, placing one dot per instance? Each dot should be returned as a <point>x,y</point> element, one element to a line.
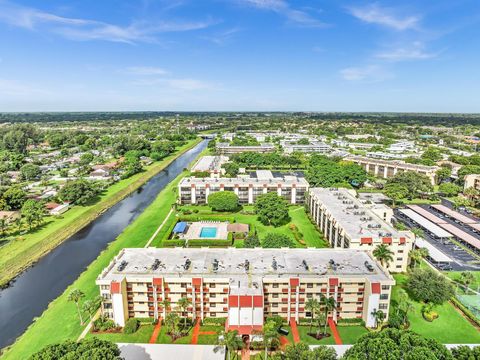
<point>105,287</point>
<point>275,286</point>
<point>212,286</point>
<point>383,306</point>
<point>385,287</point>
<point>213,315</point>
<point>399,259</point>
<point>398,266</point>
<point>400,251</point>
<point>309,296</point>
<point>275,296</point>
<point>308,314</point>
<point>310,286</point>
<point>274,305</point>
<point>213,295</point>
<point>183,285</point>
<point>383,296</point>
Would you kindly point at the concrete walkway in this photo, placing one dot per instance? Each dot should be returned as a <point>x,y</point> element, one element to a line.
<point>89,325</point>
<point>159,228</point>
<point>336,335</point>
<point>156,332</point>
<point>293,327</point>
<point>195,332</point>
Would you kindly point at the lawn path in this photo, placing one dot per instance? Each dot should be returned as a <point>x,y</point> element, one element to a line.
<point>158,229</point>
<point>89,325</point>
<point>195,333</point>
<point>336,335</point>
<point>156,332</point>
<point>293,326</point>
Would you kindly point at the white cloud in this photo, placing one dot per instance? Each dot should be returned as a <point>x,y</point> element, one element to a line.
<point>374,14</point>
<point>414,52</point>
<point>222,37</point>
<point>298,17</point>
<point>369,73</point>
<point>85,29</point>
<point>145,70</point>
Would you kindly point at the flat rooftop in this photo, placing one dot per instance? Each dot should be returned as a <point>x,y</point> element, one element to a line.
<point>353,216</point>
<point>393,163</point>
<point>231,264</point>
<point>210,163</point>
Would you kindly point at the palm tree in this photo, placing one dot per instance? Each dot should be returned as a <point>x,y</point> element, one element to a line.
<point>329,305</point>
<point>75,296</point>
<point>416,255</point>
<point>184,303</point>
<point>467,278</point>
<point>229,340</point>
<point>383,254</point>
<point>419,233</point>
<point>321,321</point>
<point>166,305</point>
<point>312,305</point>
<point>171,322</point>
<point>269,334</point>
<point>379,316</point>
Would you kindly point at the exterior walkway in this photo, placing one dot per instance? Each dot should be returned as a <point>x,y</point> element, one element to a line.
<point>196,332</point>
<point>336,335</point>
<point>156,332</point>
<point>293,327</point>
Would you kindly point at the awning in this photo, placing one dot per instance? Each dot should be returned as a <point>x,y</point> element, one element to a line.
<point>180,227</point>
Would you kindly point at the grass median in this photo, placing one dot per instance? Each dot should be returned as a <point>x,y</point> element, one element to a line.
<point>60,321</point>
<point>21,253</point>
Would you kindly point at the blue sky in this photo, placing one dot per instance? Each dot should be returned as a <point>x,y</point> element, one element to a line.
<point>317,55</point>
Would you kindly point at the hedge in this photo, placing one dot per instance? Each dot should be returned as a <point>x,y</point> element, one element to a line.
<point>465,310</point>
<point>214,321</point>
<point>352,322</point>
<point>200,242</point>
<point>131,326</point>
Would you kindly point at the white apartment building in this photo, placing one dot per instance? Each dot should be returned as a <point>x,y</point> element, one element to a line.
<point>211,164</point>
<point>227,149</point>
<point>243,285</point>
<point>193,190</point>
<point>346,222</point>
<point>314,147</point>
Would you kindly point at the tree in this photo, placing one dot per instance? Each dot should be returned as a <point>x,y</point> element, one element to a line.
<point>166,306</point>
<point>419,233</point>
<point>251,241</point>
<point>75,296</point>
<point>329,304</point>
<point>449,189</point>
<point>467,277</point>
<point>383,254</point>
<point>270,335</point>
<point>272,209</point>
<point>184,303</point>
<point>432,154</point>
<point>444,173</point>
<point>416,256</point>
<point>229,340</point>
<point>467,170</point>
<point>3,226</point>
<point>171,322</point>
<point>14,196</point>
<point>302,351</point>
<point>275,241</point>
<point>464,352</point>
<point>396,191</point>
<point>86,159</point>
<point>30,171</point>
<point>428,286</point>
<point>223,201</point>
<point>80,192</point>
<point>379,316</point>
<point>231,169</point>
<point>92,348</point>
<point>392,344</point>
<point>91,306</point>
<point>417,184</point>
<point>321,321</point>
<point>312,305</point>
<point>32,211</point>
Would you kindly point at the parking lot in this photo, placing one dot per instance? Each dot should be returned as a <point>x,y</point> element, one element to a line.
<point>462,259</point>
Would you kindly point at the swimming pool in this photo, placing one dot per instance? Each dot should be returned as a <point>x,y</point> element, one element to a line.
<point>208,232</point>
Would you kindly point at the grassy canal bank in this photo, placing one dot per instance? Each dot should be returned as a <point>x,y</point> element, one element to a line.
<point>60,321</point>
<point>25,250</point>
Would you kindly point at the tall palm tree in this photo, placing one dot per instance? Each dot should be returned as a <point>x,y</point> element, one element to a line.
<point>184,303</point>
<point>419,233</point>
<point>379,316</point>
<point>467,278</point>
<point>171,322</point>
<point>75,296</point>
<point>269,334</point>
<point>166,306</point>
<point>312,305</point>
<point>383,254</point>
<point>329,305</point>
<point>417,255</point>
<point>229,340</point>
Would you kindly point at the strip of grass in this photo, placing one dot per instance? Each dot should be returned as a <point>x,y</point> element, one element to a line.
<point>456,276</point>
<point>350,334</point>
<point>450,327</point>
<point>19,254</point>
<point>307,339</point>
<point>60,322</point>
<point>142,335</point>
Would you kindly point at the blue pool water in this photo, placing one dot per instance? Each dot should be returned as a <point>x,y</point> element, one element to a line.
<point>208,232</point>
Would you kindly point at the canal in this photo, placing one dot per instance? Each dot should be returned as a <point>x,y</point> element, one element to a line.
<point>35,288</point>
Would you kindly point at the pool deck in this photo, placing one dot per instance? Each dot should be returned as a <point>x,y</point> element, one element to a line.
<point>194,230</point>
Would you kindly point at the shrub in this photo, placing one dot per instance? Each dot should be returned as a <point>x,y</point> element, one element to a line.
<point>252,241</point>
<point>273,240</point>
<point>214,321</point>
<point>428,286</point>
<point>223,201</point>
<point>103,323</point>
<point>131,326</point>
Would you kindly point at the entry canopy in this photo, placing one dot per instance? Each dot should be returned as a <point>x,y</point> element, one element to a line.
<point>180,227</point>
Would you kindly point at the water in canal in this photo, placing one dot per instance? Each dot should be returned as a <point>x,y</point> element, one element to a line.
<point>35,288</point>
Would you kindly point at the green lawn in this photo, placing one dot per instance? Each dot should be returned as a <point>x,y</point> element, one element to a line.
<point>142,335</point>
<point>450,327</point>
<point>59,322</point>
<point>311,236</point>
<point>23,250</point>
<point>307,339</point>
<point>455,275</point>
<point>350,334</point>
<point>164,338</point>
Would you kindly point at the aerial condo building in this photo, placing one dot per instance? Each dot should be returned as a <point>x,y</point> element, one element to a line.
<point>349,223</point>
<point>243,285</point>
<point>194,190</point>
